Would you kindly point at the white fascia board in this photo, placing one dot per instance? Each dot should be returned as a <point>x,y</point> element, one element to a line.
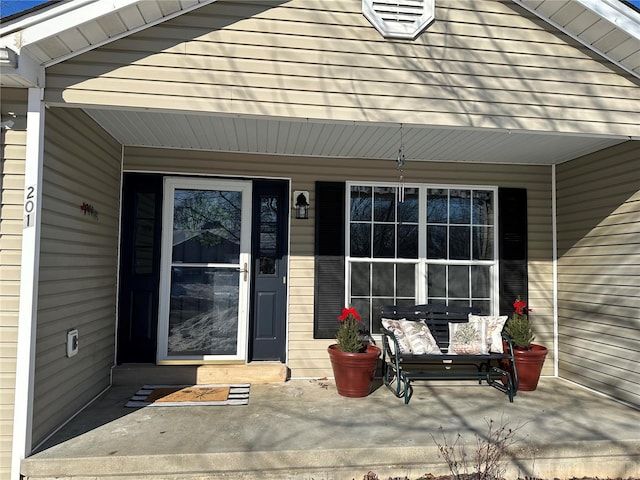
<point>616,13</point>
<point>84,11</point>
<point>40,16</point>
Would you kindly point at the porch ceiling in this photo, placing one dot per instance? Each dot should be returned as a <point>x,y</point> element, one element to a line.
<point>278,136</point>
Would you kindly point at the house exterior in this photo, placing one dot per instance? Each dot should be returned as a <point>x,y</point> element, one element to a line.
<point>153,154</point>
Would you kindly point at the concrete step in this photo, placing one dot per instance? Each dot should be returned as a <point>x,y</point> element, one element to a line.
<point>150,374</point>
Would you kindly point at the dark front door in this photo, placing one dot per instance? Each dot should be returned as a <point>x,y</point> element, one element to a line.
<point>270,256</point>
<point>139,268</point>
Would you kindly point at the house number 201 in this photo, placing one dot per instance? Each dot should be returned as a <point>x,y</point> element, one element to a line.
<point>30,206</point>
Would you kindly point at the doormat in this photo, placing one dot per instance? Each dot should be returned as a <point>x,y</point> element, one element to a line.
<point>190,395</point>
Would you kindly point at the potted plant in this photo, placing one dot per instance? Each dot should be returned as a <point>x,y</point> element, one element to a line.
<point>529,357</point>
<point>353,358</point>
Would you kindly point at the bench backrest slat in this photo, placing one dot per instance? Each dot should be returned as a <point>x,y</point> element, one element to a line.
<point>437,317</point>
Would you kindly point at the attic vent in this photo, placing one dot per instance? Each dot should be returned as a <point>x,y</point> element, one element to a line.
<point>399,18</point>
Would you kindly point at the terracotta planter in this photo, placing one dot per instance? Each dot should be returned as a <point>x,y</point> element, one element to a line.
<point>529,366</point>
<point>354,372</point>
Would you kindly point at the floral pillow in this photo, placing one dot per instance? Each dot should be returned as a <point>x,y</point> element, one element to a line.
<point>419,337</point>
<point>394,327</point>
<point>468,338</point>
<point>494,326</point>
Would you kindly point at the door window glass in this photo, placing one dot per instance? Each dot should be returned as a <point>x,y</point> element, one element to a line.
<point>206,226</point>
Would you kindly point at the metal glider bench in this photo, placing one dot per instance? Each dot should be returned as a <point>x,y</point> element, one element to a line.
<point>399,369</point>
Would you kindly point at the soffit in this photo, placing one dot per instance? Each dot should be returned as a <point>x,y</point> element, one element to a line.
<point>68,28</point>
<point>608,27</point>
<point>277,136</point>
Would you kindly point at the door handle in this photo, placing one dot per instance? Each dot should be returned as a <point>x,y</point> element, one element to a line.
<point>244,270</point>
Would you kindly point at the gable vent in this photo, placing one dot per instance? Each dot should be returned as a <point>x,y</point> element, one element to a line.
<point>399,18</point>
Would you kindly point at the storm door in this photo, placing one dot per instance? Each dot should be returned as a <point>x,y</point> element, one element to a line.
<point>204,283</point>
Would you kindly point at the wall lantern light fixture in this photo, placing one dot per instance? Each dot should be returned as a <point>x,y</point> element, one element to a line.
<point>301,203</point>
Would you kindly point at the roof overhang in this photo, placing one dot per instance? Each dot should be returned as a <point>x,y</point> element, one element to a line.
<point>69,28</point>
<point>610,28</point>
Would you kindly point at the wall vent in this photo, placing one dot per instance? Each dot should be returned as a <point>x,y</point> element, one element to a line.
<point>399,18</point>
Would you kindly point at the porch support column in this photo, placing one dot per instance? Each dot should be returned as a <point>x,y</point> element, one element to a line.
<point>30,263</point>
<point>554,226</point>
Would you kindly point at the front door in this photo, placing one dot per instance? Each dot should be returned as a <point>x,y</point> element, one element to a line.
<point>204,282</point>
<point>269,249</point>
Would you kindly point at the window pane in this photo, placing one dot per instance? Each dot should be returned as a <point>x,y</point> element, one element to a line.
<point>458,281</point>
<point>436,242</point>
<point>144,233</point>
<point>360,243</point>
<point>482,207</point>
<point>460,206</point>
<point>360,279</point>
<point>407,241</point>
<point>206,226</point>
<point>480,281</point>
<point>437,205</point>
<point>383,280</point>
<point>408,208</point>
<point>268,234</point>
<point>483,243</point>
<point>384,244</point>
<point>376,307</point>
<point>459,243</point>
<point>437,281</point>
<point>361,204</point>
<point>384,204</point>
<point>363,307</point>
<point>406,283</point>
<point>203,311</point>
<point>483,305</point>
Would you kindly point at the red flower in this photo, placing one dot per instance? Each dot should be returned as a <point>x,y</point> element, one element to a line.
<point>520,307</point>
<point>349,311</point>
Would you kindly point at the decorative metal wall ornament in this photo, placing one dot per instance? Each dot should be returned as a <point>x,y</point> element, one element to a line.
<point>88,209</point>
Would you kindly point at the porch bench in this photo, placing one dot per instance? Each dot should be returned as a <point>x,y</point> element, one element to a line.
<point>400,369</point>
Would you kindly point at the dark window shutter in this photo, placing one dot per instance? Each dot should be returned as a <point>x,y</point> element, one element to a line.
<point>329,258</point>
<point>512,233</point>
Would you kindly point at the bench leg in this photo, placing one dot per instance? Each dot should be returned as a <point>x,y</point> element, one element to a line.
<point>408,389</point>
<point>397,382</point>
<point>499,384</point>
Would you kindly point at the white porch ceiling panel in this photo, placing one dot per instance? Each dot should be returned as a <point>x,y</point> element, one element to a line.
<point>350,140</point>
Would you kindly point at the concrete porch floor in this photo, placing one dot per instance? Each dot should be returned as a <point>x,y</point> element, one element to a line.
<point>302,429</point>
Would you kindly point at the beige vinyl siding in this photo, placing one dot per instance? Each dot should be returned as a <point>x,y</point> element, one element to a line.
<point>481,63</point>
<point>308,357</point>
<point>12,161</point>
<point>599,271</point>
<point>78,266</point>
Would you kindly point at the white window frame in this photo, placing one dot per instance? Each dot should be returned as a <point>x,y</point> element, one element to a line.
<point>422,261</point>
